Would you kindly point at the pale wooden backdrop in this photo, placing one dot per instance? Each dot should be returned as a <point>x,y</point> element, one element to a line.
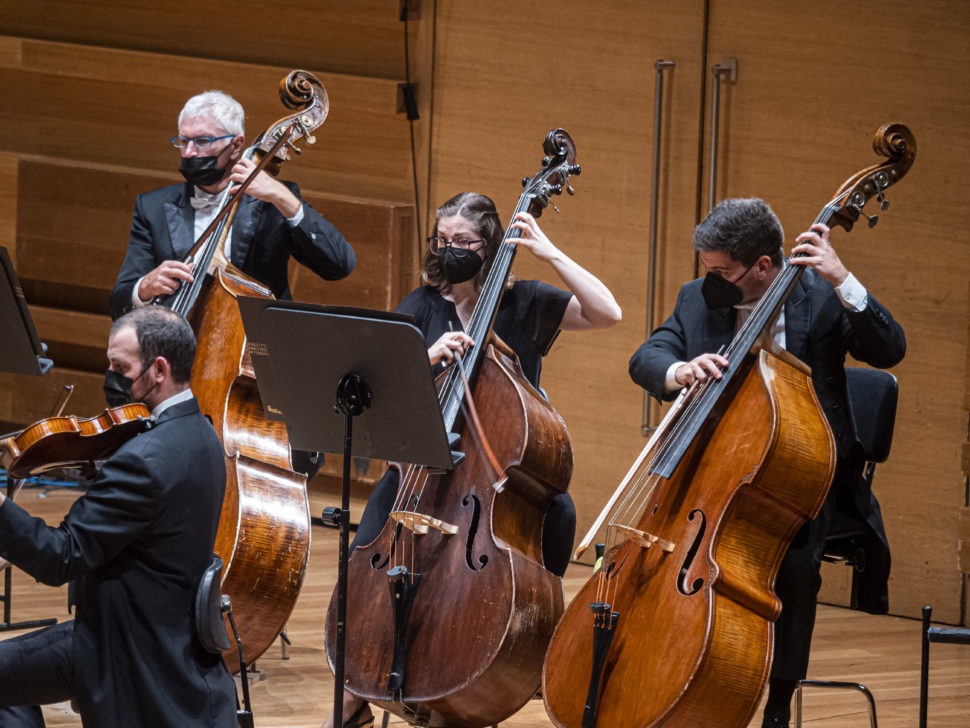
<point>92,92</point>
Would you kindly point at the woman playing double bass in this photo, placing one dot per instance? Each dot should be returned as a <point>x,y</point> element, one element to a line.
<point>467,235</point>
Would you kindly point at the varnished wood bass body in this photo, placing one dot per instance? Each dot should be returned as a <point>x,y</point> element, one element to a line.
<point>486,607</point>
<point>693,637</point>
<point>264,529</point>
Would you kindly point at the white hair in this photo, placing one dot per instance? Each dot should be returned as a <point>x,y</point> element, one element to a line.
<point>227,112</point>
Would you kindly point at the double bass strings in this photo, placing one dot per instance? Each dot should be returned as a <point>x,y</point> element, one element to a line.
<point>630,508</point>
<point>639,495</point>
<point>414,479</point>
<point>186,294</point>
<point>452,393</point>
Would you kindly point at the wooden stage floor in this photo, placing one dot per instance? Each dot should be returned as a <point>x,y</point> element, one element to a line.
<point>881,652</point>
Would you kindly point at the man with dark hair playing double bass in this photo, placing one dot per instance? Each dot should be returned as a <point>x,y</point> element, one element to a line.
<point>135,546</point>
<point>827,315</point>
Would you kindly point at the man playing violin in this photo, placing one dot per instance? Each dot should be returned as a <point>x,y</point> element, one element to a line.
<point>829,314</point>
<point>271,224</point>
<point>134,546</point>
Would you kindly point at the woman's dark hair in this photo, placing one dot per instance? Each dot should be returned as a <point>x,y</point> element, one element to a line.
<point>480,211</point>
<point>744,228</point>
<point>162,333</point>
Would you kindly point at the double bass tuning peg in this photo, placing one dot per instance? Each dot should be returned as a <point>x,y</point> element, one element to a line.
<point>883,202</point>
<point>872,220</point>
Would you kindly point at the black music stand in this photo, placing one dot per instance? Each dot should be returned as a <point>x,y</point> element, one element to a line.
<point>329,365</point>
<point>21,353</point>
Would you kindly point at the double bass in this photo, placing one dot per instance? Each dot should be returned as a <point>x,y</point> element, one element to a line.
<point>450,607</point>
<point>264,529</point>
<point>675,628</point>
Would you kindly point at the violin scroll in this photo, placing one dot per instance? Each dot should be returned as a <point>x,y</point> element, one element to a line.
<point>557,167</point>
<point>893,140</point>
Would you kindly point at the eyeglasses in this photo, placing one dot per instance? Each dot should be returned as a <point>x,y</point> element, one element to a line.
<point>201,142</point>
<point>459,246</point>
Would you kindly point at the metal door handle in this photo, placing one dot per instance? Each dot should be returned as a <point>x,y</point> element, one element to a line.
<point>727,67</point>
<point>660,66</point>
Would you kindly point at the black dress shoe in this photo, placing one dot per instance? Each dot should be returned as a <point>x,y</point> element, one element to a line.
<point>775,720</point>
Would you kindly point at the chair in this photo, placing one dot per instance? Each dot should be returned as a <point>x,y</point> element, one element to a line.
<point>946,635</point>
<point>210,606</point>
<point>872,397</point>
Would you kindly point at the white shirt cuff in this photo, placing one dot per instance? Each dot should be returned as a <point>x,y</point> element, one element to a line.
<point>853,294</point>
<point>296,219</point>
<point>670,383</point>
<point>135,298</point>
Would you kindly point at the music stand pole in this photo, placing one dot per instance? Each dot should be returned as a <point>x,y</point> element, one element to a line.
<point>354,397</point>
<point>22,353</point>
<point>376,358</point>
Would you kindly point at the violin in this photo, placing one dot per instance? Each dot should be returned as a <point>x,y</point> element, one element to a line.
<point>675,628</point>
<point>59,442</point>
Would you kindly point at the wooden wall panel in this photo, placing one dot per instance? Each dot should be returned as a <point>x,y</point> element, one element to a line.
<point>500,85</point>
<point>24,400</point>
<point>796,124</point>
<point>72,232</point>
<point>72,237</point>
<point>75,223</point>
<point>381,236</point>
<point>8,204</point>
<point>97,105</point>
<point>87,122</point>
<point>362,37</point>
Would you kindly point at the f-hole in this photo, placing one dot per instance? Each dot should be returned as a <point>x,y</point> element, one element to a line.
<point>376,561</point>
<point>473,502</point>
<point>682,585</point>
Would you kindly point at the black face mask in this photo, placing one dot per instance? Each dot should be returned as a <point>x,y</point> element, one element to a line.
<point>460,268</point>
<point>202,171</point>
<point>117,387</point>
<point>719,292</point>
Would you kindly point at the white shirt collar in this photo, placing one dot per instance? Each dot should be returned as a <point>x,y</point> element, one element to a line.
<point>183,396</point>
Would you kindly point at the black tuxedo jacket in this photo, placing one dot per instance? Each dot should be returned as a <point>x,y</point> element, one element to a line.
<point>162,228</point>
<point>136,545</point>
<point>819,331</point>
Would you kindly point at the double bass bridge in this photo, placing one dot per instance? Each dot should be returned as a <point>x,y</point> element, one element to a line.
<point>644,539</point>
<point>421,524</point>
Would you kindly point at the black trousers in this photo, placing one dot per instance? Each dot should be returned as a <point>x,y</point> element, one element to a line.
<point>558,528</point>
<point>799,576</point>
<point>35,669</point>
